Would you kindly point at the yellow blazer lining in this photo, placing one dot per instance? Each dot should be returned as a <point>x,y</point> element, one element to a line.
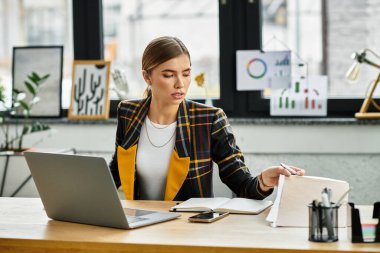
<point>177,172</point>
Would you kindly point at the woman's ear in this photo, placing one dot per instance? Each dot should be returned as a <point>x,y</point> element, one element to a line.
<point>146,77</point>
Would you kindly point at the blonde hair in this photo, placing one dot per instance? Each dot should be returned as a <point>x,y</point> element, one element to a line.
<point>159,51</point>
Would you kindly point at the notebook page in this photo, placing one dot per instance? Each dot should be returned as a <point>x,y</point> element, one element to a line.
<point>243,205</point>
<point>201,204</point>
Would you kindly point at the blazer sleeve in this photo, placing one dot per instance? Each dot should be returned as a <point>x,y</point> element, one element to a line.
<point>232,169</point>
<point>113,165</point>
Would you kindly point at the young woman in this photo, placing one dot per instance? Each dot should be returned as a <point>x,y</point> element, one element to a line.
<point>166,144</point>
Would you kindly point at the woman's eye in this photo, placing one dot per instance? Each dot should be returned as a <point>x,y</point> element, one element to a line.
<point>168,76</point>
<point>186,74</point>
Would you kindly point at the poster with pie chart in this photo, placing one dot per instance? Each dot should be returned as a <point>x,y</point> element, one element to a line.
<point>257,70</point>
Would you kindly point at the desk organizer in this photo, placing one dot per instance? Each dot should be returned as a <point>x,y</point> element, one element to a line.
<point>355,232</point>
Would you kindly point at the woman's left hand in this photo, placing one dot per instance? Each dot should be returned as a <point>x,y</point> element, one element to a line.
<point>270,176</point>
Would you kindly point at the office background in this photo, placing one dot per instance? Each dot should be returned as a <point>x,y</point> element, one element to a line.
<point>324,33</point>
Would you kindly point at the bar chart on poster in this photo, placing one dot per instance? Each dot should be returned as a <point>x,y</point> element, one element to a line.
<point>306,97</point>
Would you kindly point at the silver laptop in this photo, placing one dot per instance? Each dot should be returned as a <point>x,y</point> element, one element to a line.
<point>81,189</point>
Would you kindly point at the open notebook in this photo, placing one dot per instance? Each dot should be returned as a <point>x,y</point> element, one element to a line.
<point>295,193</point>
<point>235,205</point>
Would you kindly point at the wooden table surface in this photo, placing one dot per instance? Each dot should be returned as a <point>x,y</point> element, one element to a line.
<point>24,227</point>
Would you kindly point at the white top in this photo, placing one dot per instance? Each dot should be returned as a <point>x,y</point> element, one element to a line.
<point>154,150</point>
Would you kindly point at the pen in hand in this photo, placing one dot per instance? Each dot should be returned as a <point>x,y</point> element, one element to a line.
<point>292,171</point>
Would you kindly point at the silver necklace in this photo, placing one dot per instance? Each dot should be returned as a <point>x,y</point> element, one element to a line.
<point>154,145</point>
<point>152,124</point>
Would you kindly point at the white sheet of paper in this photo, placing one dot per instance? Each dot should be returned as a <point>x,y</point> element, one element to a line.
<point>256,70</point>
<point>273,213</point>
<point>306,97</point>
<point>290,208</point>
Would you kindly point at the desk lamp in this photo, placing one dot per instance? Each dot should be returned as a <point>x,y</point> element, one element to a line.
<point>353,73</point>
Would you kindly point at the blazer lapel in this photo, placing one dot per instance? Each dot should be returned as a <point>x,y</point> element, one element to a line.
<point>135,126</point>
<point>126,154</point>
<point>180,160</point>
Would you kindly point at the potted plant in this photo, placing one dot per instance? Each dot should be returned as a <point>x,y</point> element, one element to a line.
<point>17,114</point>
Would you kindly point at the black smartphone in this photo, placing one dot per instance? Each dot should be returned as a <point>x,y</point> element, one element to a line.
<point>208,216</point>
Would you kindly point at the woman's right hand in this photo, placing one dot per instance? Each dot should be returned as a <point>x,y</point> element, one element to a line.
<point>269,177</point>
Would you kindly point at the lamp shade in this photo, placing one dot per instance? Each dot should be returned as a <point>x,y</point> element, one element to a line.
<point>353,72</point>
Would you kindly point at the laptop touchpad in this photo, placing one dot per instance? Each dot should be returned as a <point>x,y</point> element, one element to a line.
<point>136,212</point>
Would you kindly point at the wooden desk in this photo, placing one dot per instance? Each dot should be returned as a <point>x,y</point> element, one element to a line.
<point>24,227</point>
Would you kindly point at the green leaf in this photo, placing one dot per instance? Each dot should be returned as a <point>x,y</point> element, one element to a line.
<point>25,130</point>
<point>2,94</point>
<point>43,79</point>
<point>20,96</point>
<point>38,127</point>
<point>26,113</point>
<point>24,105</point>
<point>34,74</point>
<point>30,88</point>
<point>16,91</point>
<point>35,100</point>
<point>33,79</point>
<point>35,128</point>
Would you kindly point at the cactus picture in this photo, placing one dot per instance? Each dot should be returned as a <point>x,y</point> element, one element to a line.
<point>89,98</point>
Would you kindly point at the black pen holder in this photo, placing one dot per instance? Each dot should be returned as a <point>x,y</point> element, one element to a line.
<point>323,223</point>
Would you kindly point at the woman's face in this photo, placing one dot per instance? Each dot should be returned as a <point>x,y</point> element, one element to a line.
<point>170,80</point>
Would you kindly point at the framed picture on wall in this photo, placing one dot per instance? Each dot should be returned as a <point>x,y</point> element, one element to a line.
<point>40,61</point>
<point>89,95</point>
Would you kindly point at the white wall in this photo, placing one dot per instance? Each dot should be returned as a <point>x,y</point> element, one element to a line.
<point>319,139</point>
<point>348,152</point>
<point>258,139</point>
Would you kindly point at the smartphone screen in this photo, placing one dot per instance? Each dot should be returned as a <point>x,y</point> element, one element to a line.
<point>208,216</point>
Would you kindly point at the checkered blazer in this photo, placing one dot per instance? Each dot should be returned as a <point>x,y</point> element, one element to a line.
<point>203,135</point>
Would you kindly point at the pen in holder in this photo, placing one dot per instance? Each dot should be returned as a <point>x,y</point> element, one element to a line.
<point>323,222</point>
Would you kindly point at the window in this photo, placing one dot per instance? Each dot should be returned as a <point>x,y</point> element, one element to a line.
<point>36,23</point>
<point>351,26</point>
<point>334,29</point>
<point>130,25</point>
<point>213,31</point>
<point>295,25</point>
<point>299,25</point>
